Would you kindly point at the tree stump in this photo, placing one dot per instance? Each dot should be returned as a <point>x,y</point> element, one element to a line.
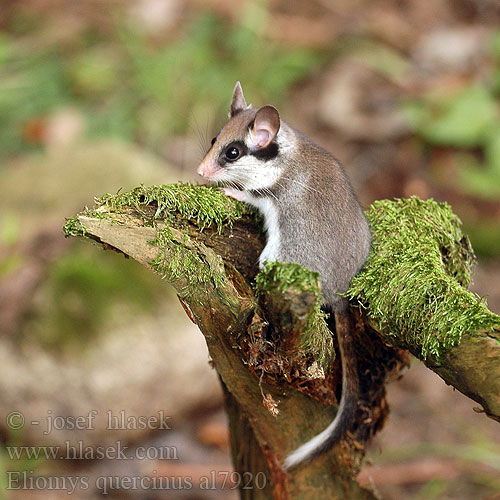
<point>268,338</point>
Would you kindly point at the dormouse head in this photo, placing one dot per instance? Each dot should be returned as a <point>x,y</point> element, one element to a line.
<point>246,152</point>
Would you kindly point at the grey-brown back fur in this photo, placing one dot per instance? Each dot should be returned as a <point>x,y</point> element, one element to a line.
<point>321,223</point>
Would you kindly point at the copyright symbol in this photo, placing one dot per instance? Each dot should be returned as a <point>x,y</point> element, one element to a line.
<point>15,420</point>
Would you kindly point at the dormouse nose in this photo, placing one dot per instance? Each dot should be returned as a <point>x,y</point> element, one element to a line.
<point>207,169</point>
<point>203,169</point>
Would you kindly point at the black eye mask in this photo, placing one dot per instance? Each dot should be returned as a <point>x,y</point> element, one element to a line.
<point>233,152</point>
<point>268,153</point>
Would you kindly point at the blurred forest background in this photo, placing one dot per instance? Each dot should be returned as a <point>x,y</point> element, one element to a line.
<point>102,95</point>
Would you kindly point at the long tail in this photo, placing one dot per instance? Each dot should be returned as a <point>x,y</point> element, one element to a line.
<point>326,439</point>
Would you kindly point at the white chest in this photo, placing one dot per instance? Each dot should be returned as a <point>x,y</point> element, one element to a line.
<point>270,213</point>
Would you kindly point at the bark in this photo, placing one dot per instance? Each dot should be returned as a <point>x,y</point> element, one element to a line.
<point>272,405</point>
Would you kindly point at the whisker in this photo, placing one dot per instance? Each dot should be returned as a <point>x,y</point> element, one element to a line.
<point>206,137</point>
<point>201,140</point>
<point>254,176</point>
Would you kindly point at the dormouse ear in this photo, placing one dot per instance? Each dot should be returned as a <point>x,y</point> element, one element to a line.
<point>238,103</point>
<point>265,126</point>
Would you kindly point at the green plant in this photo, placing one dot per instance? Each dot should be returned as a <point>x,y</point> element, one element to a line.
<point>468,120</point>
<point>129,86</point>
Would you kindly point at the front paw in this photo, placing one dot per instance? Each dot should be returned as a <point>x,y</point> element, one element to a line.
<point>234,193</point>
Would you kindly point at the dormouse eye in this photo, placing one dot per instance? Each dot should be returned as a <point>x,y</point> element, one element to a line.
<point>232,153</point>
<point>213,141</point>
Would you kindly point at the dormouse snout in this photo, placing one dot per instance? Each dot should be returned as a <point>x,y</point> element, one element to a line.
<point>207,169</point>
<point>201,171</point>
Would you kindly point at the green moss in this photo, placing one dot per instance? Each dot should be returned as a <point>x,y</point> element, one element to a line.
<point>202,205</point>
<point>413,282</point>
<point>73,227</point>
<point>281,276</point>
<point>278,277</point>
<point>178,261</point>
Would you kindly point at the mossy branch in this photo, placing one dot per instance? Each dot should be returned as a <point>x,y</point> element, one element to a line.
<point>412,290</point>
